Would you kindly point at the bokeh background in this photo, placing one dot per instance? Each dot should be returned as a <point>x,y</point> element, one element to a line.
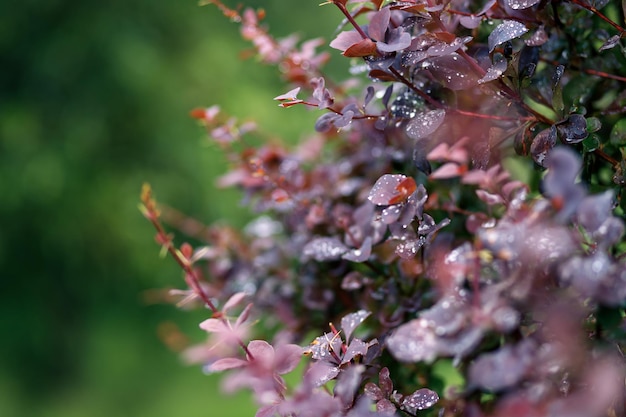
<point>94,101</point>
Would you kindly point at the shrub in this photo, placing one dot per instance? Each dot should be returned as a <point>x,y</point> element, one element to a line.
<point>448,240</point>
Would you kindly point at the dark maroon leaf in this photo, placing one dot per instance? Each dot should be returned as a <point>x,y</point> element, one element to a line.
<point>542,144</point>
<point>573,129</point>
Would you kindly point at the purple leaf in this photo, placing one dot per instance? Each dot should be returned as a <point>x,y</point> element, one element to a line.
<point>287,358</point>
<point>495,71</point>
<point>522,4</point>
<point>361,254</point>
<point>348,383</point>
<point>397,40</point>
<point>471,21</point>
<point>213,325</point>
<point>386,407</point>
<point>385,189</point>
<point>352,321</point>
<point>414,341</point>
<point>324,249</point>
<point>321,372</point>
<point>385,382</point>
<point>443,48</point>
<point>419,400</point>
<point>378,24</point>
<point>505,31</point>
<point>503,368</point>
<point>372,391</point>
<point>356,348</point>
<point>425,123</point>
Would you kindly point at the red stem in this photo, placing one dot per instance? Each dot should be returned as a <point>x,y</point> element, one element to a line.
<point>348,16</point>
<point>191,277</point>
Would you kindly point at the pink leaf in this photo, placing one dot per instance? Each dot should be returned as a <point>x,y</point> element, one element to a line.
<point>448,170</point>
<point>233,301</point>
<point>213,326</point>
<point>227,363</point>
<point>262,351</point>
<point>290,95</point>
<point>345,40</point>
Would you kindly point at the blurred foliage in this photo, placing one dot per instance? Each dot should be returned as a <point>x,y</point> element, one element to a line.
<point>94,101</point>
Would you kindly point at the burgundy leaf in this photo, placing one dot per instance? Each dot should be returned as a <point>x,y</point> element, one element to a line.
<point>365,47</point>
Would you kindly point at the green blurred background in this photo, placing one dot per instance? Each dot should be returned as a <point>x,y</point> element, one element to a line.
<point>94,101</point>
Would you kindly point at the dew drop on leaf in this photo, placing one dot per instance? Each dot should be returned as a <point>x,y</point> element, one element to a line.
<point>521,4</point>
<point>419,400</point>
<point>425,123</point>
<point>542,144</point>
<point>505,31</point>
<point>386,189</point>
<point>351,321</point>
<point>324,249</point>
